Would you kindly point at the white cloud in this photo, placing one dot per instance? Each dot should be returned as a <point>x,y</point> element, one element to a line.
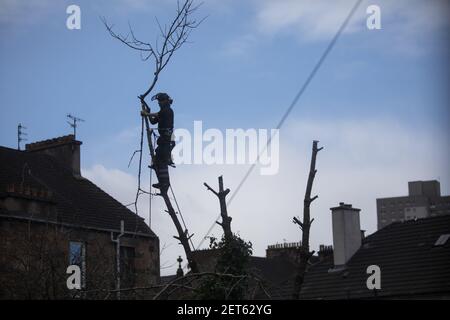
<point>128,135</point>
<point>362,160</point>
<point>407,25</point>
<point>310,18</point>
<point>321,18</point>
<point>240,45</point>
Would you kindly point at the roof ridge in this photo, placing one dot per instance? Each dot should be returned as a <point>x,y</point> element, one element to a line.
<point>11,149</point>
<point>38,145</point>
<point>406,223</point>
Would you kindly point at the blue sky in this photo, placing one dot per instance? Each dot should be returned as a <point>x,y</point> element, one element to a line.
<point>380,103</point>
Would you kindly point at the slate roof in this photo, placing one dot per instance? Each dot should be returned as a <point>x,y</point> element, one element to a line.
<point>410,263</point>
<point>274,270</point>
<point>78,201</point>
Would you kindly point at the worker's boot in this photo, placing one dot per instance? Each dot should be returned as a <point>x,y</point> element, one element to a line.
<point>170,161</point>
<point>163,178</point>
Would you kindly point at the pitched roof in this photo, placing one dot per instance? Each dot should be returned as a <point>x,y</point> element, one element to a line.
<point>78,201</point>
<point>409,261</point>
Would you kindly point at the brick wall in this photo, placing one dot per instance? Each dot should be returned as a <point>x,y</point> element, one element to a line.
<point>35,256</point>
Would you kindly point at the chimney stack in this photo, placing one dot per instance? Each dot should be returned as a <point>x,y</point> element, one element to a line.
<point>66,150</point>
<point>287,251</point>
<point>324,251</point>
<point>346,233</point>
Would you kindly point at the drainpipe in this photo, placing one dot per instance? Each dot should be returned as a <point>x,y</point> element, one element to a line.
<point>117,241</point>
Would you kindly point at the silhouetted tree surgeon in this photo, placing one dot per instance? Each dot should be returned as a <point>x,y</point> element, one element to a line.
<point>163,157</point>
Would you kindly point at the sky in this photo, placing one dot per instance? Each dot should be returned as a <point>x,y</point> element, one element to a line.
<point>379,105</point>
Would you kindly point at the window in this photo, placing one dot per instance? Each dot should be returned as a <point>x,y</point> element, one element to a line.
<point>75,253</point>
<point>77,256</point>
<point>442,240</point>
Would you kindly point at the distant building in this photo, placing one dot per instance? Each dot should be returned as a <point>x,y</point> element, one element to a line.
<point>51,217</point>
<point>423,200</point>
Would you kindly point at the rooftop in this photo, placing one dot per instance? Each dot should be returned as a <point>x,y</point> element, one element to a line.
<point>410,262</point>
<point>78,201</point>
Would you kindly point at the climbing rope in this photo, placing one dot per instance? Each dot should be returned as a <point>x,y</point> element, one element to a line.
<point>150,189</point>
<point>182,219</point>
<point>150,195</point>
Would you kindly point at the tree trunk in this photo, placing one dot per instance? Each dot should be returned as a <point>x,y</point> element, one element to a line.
<point>305,254</point>
<point>182,234</point>
<point>226,220</point>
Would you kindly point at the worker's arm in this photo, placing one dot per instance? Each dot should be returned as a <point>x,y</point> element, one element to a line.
<point>149,114</point>
<point>153,117</point>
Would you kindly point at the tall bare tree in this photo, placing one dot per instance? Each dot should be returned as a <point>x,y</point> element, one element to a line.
<point>305,226</point>
<point>226,220</point>
<point>233,257</point>
<point>171,37</point>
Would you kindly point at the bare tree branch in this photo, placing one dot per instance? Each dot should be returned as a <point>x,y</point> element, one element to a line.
<point>172,37</point>
<point>210,189</point>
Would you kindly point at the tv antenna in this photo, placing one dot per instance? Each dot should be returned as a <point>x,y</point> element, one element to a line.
<point>20,135</point>
<point>73,123</point>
